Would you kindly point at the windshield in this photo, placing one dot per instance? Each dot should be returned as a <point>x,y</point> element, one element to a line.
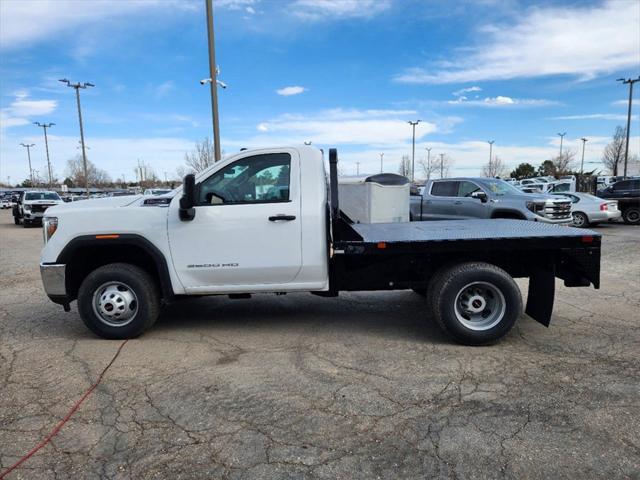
<point>41,196</point>
<point>500,187</point>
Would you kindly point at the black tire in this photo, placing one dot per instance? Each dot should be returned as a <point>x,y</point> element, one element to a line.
<point>420,291</point>
<point>450,282</point>
<point>631,216</point>
<point>140,283</point>
<point>25,223</point>
<point>580,220</point>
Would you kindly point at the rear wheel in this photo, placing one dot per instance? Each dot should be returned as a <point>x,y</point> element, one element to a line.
<point>476,303</point>
<point>580,220</point>
<point>631,216</point>
<point>118,301</point>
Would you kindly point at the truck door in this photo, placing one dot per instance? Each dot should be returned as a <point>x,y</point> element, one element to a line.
<point>439,204</point>
<point>467,207</point>
<point>247,227</point>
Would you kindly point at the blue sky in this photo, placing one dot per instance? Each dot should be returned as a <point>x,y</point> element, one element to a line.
<point>345,73</point>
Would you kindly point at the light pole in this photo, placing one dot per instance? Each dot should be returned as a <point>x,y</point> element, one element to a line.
<point>584,142</point>
<point>561,135</point>
<point>428,162</point>
<point>626,150</point>
<point>381,162</point>
<point>28,147</point>
<point>213,81</point>
<point>442,165</point>
<point>357,168</point>
<point>77,87</point>
<point>46,146</point>
<point>491,142</point>
<point>413,149</point>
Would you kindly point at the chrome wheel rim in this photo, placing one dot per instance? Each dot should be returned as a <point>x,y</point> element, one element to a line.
<point>115,304</point>
<point>480,306</point>
<point>578,219</point>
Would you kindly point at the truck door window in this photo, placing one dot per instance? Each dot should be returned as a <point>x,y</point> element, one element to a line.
<point>444,189</point>
<point>255,179</point>
<point>467,188</point>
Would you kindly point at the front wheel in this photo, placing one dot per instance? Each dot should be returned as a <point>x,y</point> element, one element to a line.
<point>631,216</point>
<point>118,301</point>
<point>476,303</point>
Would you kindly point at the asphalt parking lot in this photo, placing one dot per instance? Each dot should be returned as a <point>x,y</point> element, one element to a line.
<point>298,386</point>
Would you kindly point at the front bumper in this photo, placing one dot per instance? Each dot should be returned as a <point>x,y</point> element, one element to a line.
<point>554,221</point>
<point>53,279</point>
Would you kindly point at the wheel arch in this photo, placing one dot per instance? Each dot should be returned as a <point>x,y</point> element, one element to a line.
<point>508,213</point>
<point>84,254</point>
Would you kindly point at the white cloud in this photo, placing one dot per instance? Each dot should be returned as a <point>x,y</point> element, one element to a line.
<point>22,107</point>
<point>501,101</point>
<point>337,9</point>
<point>462,91</point>
<point>620,103</point>
<point>595,116</point>
<point>580,41</point>
<point>343,127</point>
<point>250,10</point>
<point>25,22</point>
<point>236,4</point>
<point>288,91</point>
<point>163,89</point>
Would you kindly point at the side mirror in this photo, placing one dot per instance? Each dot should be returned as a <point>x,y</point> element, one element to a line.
<point>479,195</point>
<point>188,199</point>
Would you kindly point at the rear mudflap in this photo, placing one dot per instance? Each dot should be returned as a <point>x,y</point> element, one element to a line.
<point>541,295</point>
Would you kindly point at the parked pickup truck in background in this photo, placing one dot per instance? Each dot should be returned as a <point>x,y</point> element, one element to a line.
<point>627,193</point>
<point>464,198</point>
<point>261,222</point>
<point>31,205</point>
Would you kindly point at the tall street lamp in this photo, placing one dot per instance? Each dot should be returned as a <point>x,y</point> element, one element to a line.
<point>442,165</point>
<point>413,149</point>
<point>626,150</point>
<point>381,162</point>
<point>29,147</point>
<point>357,168</point>
<point>428,162</point>
<point>213,81</point>
<point>491,142</point>
<point>561,135</point>
<point>46,146</point>
<point>77,87</point>
<point>584,142</point>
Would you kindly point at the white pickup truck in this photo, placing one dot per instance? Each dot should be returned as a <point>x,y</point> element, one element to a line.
<point>265,221</point>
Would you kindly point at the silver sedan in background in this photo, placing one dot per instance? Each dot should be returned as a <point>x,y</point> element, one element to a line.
<point>588,209</point>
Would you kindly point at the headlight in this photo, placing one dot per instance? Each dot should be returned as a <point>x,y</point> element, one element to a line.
<point>27,208</point>
<point>49,227</point>
<point>535,207</point>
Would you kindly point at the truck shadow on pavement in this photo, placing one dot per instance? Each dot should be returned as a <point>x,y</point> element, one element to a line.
<point>395,315</point>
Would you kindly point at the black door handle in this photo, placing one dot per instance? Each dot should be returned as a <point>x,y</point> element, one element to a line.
<point>286,218</point>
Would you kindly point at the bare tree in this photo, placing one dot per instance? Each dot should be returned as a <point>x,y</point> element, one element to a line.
<point>146,175</point>
<point>404,168</point>
<point>430,168</point>
<point>494,168</point>
<point>201,158</point>
<point>563,164</point>
<point>613,154</point>
<point>75,172</point>
<point>443,164</point>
